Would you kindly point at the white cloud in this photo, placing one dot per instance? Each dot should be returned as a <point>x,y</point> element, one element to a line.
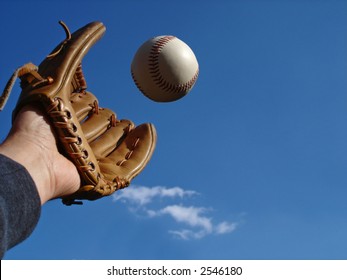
<point>194,217</point>
<point>194,220</point>
<point>188,234</point>
<point>191,216</point>
<point>144,195</point>
<point>225,227</point>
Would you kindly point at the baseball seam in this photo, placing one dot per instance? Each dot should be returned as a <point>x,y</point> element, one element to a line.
<point>155,70</point>
<point>138,84</point>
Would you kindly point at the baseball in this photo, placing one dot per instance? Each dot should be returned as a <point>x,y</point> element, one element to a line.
<point>164,69</point>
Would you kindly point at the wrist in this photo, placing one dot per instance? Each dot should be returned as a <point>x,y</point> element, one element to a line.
<point>31,143</point>
<point>18,148</point>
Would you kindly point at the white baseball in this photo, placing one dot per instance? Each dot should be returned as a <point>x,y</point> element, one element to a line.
<point>164,68</point>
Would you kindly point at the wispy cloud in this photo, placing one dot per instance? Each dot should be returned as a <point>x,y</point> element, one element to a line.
<point>145,195</point>
<point>196,221</point>
<point>225,227</point>
<point>195,217</point>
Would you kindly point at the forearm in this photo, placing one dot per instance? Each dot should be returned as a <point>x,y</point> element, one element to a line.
<point>27,154</point>
<point>20,204</point>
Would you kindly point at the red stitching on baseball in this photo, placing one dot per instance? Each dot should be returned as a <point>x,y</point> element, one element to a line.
<point>138,85</point>
<point>155,71</point>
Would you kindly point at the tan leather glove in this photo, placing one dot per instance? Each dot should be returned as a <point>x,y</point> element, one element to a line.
<point>107,152</point>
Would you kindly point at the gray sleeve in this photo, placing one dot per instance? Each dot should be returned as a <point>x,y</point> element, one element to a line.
<point>20,205</point>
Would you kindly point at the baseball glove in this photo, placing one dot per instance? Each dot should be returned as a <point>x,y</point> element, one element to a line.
<point>107,152</point>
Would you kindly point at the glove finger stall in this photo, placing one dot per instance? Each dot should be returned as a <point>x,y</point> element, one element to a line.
<point>97,123</point>
<point>83,103</point>
<point>132,155</point>
<point>111,139</point>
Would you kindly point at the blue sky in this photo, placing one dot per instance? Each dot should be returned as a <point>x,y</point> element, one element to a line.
<point>252,164</point>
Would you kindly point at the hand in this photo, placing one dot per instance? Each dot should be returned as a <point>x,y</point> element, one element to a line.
<point>31,142</point>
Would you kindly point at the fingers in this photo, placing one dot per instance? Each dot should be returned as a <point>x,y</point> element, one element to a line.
<point>121,151</point>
